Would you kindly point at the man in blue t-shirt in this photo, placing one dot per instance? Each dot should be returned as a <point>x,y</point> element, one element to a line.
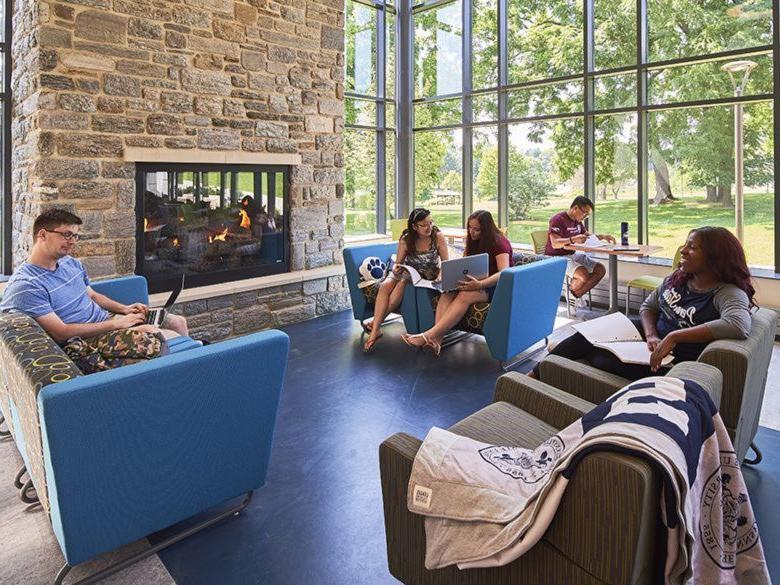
<point>53,288</point>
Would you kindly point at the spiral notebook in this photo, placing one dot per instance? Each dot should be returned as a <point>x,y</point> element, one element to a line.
<point>616,333</point>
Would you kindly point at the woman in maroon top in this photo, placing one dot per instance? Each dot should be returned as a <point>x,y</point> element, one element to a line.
<point>483,238</point>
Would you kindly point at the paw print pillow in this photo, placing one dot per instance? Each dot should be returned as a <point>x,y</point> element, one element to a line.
<point>372,268</point>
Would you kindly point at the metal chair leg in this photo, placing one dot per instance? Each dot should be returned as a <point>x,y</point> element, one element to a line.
<point>18,483</point>
<point>4,433</point>
<point>24,494</point>
<point>757,459</point>
<point>111,569</point>
<point>568,299</point>
<point>628,299</point>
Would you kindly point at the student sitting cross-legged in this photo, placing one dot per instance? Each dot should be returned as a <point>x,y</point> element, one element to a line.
<point>708,297</point>
<point>423,247</point>
<point>483,237</point>
<point>53,288</point>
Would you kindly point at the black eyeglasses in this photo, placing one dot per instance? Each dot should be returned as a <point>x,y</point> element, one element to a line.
<point>66,235</point>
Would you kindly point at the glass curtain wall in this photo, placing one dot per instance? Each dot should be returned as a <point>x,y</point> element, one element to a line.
<point>369,116</point>
<point>5,135</point>
<point>645,106</point>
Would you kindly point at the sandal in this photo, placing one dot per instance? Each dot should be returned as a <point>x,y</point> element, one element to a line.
<point>433,346</point>
<point>367,327</point>
<point>370,344</point>
<point>407,339</point>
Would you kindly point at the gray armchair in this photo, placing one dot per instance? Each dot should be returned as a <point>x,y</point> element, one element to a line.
<point>607,529</point>
<point>743,363</point>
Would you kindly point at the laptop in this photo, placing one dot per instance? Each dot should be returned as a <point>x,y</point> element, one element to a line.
<point>157,316</point>
<point>453,271</point>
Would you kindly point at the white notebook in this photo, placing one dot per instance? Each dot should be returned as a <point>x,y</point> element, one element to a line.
<point>616,333</point>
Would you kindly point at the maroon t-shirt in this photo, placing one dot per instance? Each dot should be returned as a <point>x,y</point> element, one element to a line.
<point>562,226</point>
<point>503,246</point>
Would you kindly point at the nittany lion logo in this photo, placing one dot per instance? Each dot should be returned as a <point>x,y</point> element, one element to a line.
<point>524,464</point>
<point>726,522</point>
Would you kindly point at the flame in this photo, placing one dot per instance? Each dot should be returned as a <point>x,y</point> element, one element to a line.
<point>175,242</point>
<point>146,224</point>
<point>246,223</point>
<point>221,236</point>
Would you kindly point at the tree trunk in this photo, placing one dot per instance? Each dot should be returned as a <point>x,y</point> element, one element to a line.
<point>712,194</point>
<point>724,196</point>
<point>663,188</point>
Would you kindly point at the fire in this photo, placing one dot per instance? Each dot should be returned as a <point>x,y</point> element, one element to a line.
<point>175,242</point>
<point>246,223</point>
<point>221,236</point>
<point>146,224</point>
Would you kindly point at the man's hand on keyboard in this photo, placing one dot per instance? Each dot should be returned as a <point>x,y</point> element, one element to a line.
<point>135,308</point>
<point>128,321</point>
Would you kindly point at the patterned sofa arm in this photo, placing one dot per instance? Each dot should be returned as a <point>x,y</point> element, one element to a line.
<point>520,258</point>
<point>30,360</point>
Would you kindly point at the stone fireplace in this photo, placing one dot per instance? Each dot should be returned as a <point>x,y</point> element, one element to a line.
<point>182,81</point>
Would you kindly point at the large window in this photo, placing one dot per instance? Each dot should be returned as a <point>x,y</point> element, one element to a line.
<point>5,135</point>
<point>369,117</point>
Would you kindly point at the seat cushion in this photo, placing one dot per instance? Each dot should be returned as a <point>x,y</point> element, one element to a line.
<point>501,423</point>
<point>474,319</point>
<point>182,343</point>
<point>646,282</point>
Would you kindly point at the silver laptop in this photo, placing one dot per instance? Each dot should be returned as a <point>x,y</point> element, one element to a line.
<point>157,316</point>
<point>454,271</point>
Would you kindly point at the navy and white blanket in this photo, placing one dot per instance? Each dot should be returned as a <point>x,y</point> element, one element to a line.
<point>486,505</point>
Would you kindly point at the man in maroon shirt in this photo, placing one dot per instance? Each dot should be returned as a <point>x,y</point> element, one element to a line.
<point>567,228</point>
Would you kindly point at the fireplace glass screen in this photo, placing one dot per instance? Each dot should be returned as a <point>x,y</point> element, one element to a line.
<point>214,224</point>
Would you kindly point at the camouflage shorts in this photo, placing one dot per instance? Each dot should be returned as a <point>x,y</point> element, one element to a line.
<point>114,349</point>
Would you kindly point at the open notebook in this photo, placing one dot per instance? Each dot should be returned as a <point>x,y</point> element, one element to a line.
<point>617,334</point>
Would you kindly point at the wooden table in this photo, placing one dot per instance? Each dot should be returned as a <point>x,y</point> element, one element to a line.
<point>613,254</point>
<point>453,235</point>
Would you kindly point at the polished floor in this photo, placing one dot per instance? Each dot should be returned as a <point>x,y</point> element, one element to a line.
<point>318,520</point>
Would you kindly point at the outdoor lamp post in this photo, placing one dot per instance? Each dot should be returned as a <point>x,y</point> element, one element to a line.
<point>735,68</point>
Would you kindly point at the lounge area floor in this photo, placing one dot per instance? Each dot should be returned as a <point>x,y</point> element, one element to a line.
<point>318,520</point>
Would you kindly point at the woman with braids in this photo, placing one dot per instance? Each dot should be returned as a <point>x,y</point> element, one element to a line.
<point>483,238</point>
<point>422,246</point>
<point>708,297</point>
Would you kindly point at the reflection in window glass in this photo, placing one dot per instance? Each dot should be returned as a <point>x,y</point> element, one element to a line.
<point>485,169</point>
<point>691,172</point>
<point>544,39</point>
<point>545,173</point>
<point>615,33</point>
<point>360,38</point>
<point>686,29</point>
<point>615,91</point>
<point>438,50</point>
<point>359,112</point>
<point>702,81</point>
<point>438,175</point>
<point>555,98</point>
<point>440,113</point>
<point>616,182</point>
<point>360,181</point>
<point>390,177</point>
<point>390,115</point>
<point>484,38</point>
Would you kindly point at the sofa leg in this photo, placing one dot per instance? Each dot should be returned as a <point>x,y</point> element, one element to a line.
<point>24,493</point>
<point>18,483</point>
<point>173,539</point>
<point>757,459</point>
<point>454,337</point>
<point>7,431</point>
<point>522,357</point>
<point>366,330</point>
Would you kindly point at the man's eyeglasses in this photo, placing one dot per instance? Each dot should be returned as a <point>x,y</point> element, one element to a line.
<point>66,235</point>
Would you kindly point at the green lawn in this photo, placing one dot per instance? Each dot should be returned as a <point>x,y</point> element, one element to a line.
<point>669,223</point>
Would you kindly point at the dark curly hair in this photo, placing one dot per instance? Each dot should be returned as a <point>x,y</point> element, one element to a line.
<point>409,236</point>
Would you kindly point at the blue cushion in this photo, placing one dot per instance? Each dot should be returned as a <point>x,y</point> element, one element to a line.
<point>182,343</point>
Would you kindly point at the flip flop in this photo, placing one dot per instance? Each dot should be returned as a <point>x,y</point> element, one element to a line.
<point>367,327</point>
<point>407,339</point>
<point>433,346</point>
<point>369,346</point>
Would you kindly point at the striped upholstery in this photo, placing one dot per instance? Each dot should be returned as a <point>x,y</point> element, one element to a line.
<point>607,529</point>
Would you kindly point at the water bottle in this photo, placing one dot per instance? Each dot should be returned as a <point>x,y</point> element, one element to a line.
<point>624,233</point>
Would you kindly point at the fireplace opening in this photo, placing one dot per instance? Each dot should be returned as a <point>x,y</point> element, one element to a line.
<point>215,223</point>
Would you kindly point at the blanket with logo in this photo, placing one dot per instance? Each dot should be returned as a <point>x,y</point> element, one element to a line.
<point>486,505</point>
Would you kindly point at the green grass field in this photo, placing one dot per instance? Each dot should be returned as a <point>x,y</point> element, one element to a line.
<point>669,223</point>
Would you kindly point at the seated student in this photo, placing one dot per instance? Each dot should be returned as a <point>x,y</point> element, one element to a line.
<point>708,297</point>
<point>421,246</point>
<point>566,228</point>
<point>53,288</point>
<point>483,237</point>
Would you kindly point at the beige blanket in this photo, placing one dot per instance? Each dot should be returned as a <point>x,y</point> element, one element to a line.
<point>486,505</point>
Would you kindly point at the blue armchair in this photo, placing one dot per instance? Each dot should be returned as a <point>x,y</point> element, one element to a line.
<point>117,455</point>
<point>522,312</point>
<point>362,309</point>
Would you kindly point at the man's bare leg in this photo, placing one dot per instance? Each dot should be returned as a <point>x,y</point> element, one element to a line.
<point>582,282</point>
<point>173,326</point>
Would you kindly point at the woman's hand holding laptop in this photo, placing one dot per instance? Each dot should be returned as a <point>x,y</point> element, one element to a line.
<point>470,283</point>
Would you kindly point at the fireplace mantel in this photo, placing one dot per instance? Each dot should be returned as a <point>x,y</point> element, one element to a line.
<point>221,157</point>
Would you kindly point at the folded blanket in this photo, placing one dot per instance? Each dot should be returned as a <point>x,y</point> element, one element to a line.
<point>486,505</point>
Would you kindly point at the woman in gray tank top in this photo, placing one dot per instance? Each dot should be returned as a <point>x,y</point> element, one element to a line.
<point>423,247</point>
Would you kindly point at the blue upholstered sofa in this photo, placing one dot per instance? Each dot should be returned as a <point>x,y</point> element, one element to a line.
<point>117,455</point>
<point>362,307</point>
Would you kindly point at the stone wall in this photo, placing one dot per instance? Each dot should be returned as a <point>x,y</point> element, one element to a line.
<point>237,314</point>
<point>93,77</point>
